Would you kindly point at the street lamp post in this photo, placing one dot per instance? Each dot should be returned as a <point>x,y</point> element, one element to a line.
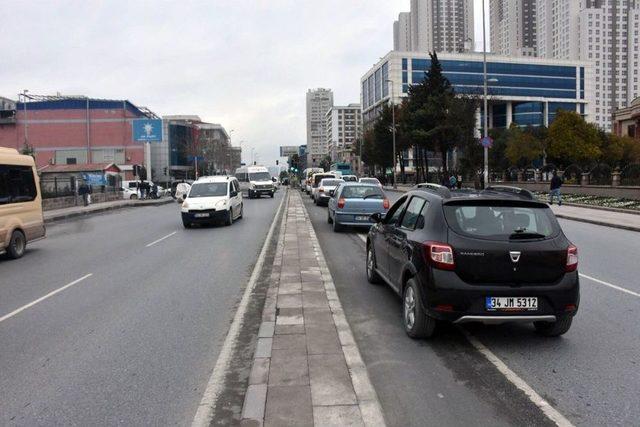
<point>26,122</point>
<point>393,132</point>
<point>485,118</point>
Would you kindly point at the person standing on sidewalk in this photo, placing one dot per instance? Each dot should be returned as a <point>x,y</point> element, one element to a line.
<point>83,191</point>
<point>554,189</point>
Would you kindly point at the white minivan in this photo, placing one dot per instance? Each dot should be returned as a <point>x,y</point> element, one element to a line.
<point>256,181</point>
<point>212,199</point>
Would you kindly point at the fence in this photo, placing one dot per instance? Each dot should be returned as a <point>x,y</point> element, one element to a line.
<point>53,187</point>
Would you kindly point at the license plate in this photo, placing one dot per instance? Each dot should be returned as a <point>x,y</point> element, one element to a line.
<point>362,218</point>
<point>201,215</point>
<point>511,303</point>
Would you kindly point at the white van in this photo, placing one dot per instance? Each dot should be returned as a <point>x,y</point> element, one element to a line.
<point>306,176</point>
<point>21,218</point>
<point>211,199</point>
<point>255,180</point>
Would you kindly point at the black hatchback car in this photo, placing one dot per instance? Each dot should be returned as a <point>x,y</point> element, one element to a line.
<point>492,256</point>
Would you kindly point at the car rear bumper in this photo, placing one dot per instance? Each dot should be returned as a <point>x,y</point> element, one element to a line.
<point>447,297</point>
<point>345,218</point>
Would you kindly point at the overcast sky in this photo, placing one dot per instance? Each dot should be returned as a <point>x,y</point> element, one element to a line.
<point>244,64</point>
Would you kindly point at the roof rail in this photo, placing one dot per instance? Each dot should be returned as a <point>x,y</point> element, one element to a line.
<point>435,188</point>
<point>512,190</point>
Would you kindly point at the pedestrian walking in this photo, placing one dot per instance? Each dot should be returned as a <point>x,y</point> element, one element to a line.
<point>141,188</point>
<point>83,191</point>
<point>554,189</point>
<point>459,182</point>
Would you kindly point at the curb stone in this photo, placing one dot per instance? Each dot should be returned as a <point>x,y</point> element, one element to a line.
<point>135,204</point>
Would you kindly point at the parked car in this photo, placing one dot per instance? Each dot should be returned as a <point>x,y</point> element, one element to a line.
<point>129,193</point>
<point>491,256</point>
<point>212,199</point>
<point>315,181</point>
<point>325,190</point>
<point>353,204</point>
<point>21,217</point>
<point>373,181</point>
<point>350,178</point>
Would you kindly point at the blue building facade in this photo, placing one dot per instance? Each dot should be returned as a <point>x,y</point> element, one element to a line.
<point>524,91</point>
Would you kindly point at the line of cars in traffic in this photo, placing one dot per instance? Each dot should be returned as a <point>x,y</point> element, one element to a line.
<point>215,199</point>
<point>493,256</point>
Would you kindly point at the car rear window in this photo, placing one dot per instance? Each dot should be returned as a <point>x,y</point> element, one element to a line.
<point>331,182</point>
<point>319,178</point>
<point>361,192</point>
<point>369,181</point>
<point>501,221</point>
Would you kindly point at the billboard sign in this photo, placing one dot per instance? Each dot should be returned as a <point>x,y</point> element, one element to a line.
<point>147,130</point>
<point>288,150</point>
<point>94,179</point>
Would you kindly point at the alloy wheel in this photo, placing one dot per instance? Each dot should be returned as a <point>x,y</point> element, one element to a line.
<point>409,308</point>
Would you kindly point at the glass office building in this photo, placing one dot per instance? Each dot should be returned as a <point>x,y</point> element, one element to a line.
<point>524,91</point>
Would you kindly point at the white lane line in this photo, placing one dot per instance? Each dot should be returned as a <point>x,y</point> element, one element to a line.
<point>49,295</point>
<point>204,414</point>
<point>361,236</point>
<point>514,379</point>
<point>635,294</point>
<point>161,239</point>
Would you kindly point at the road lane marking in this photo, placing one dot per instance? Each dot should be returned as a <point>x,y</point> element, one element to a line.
<point>216,382</point>
<point>49,295</point>
<point>161,239</point>
<point>514,379</point>
<point>361,236</point>
<point>635,294</point>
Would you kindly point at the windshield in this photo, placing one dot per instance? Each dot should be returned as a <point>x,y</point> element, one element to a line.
<point>497,222</point>
<point>362,192</point>
<point>210,189</point>
<point>259,176</point>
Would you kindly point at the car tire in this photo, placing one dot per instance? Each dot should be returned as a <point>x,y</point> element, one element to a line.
<point>417,323</point>
<point>329,220</point>
<point>337,227</point>
<point>229,220</point>
<point>186,224</point>
<point>273,194</point>
<point>134,197</point>
<point>372,275</point>
<point>17,245</point>
<point>554,329</point>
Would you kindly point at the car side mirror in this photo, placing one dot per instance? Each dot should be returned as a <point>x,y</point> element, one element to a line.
<point>273,179</point>
<point>233,194</point>
<point>184,197</point>
<point>376,217</point>
<point>331,192</point>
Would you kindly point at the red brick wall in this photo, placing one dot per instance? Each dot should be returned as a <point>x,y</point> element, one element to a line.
<point>57,129</point>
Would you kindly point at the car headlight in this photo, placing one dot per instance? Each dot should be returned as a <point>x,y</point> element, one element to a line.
<point>221,204</point>
<point>252,185</point>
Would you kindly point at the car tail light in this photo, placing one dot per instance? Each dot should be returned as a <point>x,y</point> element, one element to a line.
<point>341,203</point>
<point>570,308</point>
<point>444,307</point>
<point>321,190</point>
<point>385,203</point>
<point>572,259</point>
<point>439,255</point>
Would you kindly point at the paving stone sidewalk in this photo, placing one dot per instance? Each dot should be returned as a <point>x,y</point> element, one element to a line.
<point>307,368</point>
<point>74,211</point>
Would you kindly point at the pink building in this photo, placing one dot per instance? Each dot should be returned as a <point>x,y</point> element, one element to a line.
<point>75,130</point>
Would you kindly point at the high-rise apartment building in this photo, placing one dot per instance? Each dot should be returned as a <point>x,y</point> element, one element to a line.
<point>513,27</point>
<point>344,126</point>
<point>319,101</point>
<point>436,25</point>
<point>605,32</point>
<point>402,32</point>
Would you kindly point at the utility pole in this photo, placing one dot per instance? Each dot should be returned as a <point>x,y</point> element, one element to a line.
<point>26,121</point>
<point>485,121</point>
<point>393,132</point>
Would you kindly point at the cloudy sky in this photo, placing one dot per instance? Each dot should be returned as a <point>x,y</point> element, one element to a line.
<point>244,64</point>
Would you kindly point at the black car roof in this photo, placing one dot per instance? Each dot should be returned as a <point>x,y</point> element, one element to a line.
<point>491,193</point>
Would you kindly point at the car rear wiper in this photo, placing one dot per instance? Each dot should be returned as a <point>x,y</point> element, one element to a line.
<point>371,195</point>
<point>526,235</point>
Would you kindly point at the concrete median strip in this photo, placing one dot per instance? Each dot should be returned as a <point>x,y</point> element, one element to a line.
<point>307,367</point>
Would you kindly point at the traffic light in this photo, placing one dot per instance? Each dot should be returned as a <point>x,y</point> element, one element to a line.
<point>277,162</point>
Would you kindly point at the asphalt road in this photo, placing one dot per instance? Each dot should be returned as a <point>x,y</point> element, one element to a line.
<point>590,375</point>
<point>135,342</point>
